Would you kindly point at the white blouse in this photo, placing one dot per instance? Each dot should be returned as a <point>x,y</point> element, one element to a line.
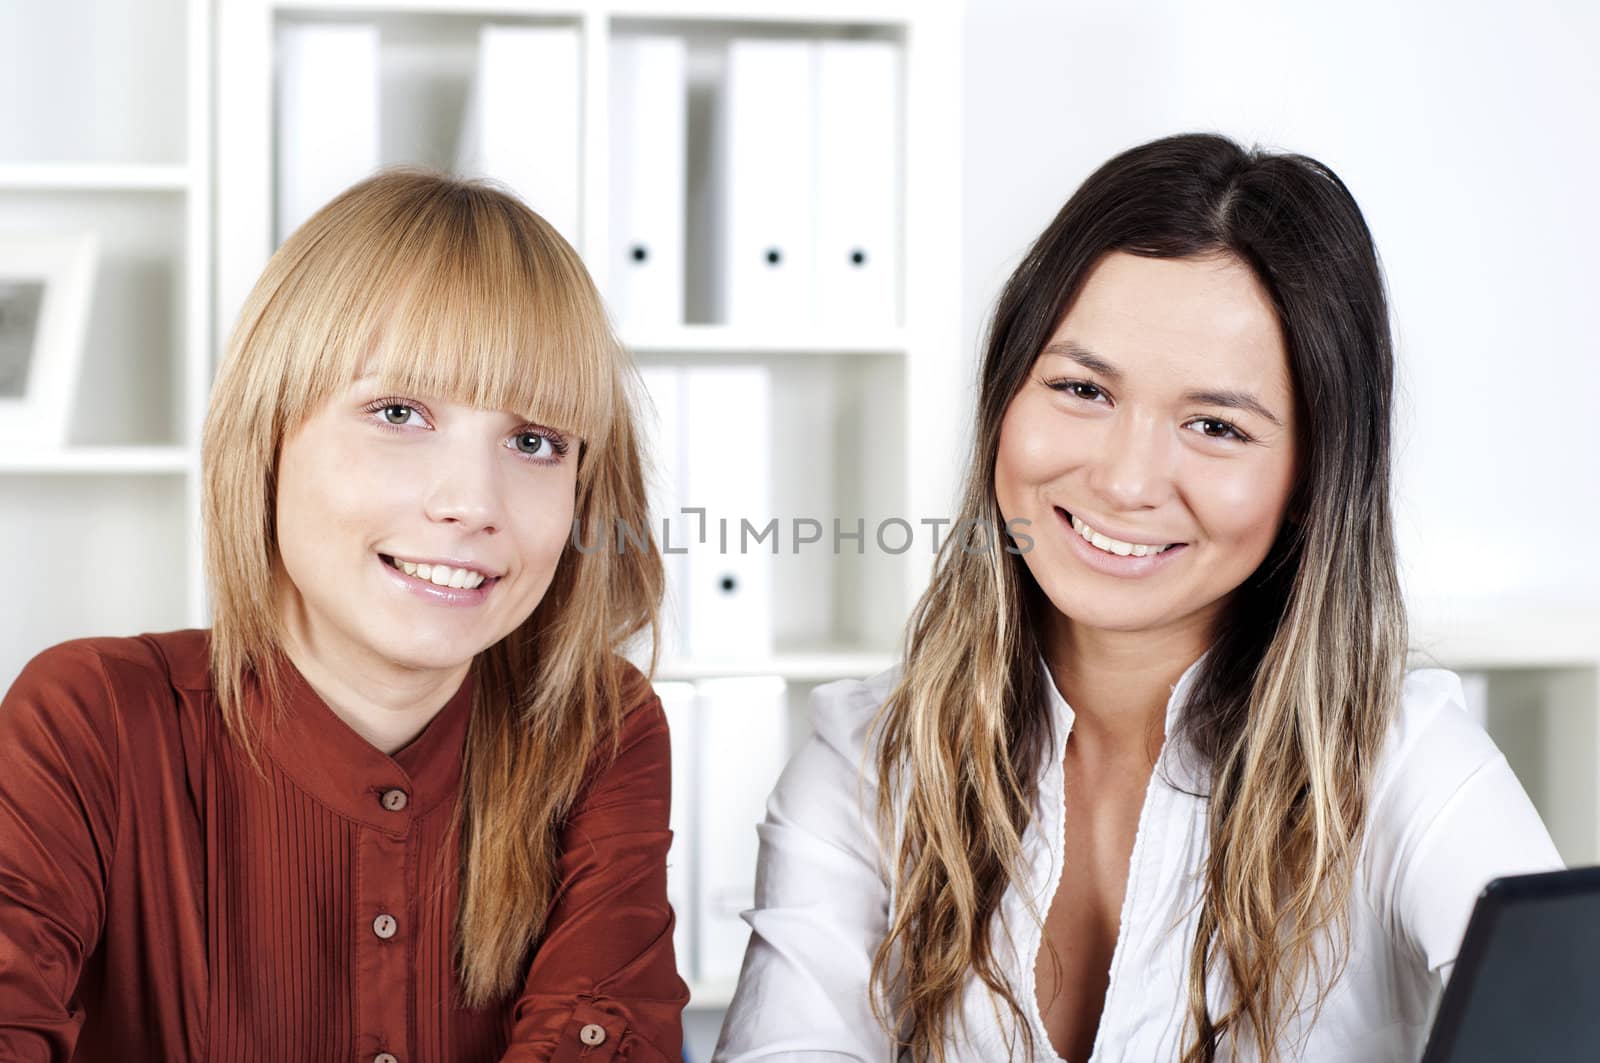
<point>1446,815</point>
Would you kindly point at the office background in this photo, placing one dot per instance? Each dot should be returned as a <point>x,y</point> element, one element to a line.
<point>166,131</point>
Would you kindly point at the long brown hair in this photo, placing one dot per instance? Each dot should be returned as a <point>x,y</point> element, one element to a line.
<point>458,290</point>
<point>1290,708</point>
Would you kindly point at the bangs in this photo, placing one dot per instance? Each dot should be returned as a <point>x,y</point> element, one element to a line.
<point>461,293</point>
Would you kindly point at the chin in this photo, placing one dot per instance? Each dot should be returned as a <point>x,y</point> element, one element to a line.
<point>1102,614</point>
<point>423,653</point>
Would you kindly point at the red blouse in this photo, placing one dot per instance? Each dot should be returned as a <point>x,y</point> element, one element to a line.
<point>159,900</point>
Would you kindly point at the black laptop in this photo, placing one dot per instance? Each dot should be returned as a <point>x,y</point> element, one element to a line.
<point>1526,984</point>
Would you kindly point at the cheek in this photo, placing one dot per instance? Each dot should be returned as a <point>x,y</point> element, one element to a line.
<point>331,499</point>
<point>1034,449</point>
<point>1244,506</point>
<point>544,522</point>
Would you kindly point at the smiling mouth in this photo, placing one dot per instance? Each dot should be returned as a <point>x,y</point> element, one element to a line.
<point>1115,547</point>
<point>441,575</point>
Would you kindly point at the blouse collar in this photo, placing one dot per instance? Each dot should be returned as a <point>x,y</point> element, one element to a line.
<point>1180,764</point>
<point>325,757</point>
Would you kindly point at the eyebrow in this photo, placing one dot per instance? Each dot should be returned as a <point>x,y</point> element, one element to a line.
<point>1232,398</point>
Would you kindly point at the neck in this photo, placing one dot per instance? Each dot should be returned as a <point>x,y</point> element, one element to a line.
<point>1118,683</point>
<point>386,704</point>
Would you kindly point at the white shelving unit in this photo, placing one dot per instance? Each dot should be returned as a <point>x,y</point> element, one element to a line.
<point>118,142</point>
<point>876,405</point>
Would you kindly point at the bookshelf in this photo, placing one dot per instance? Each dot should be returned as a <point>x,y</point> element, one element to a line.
<point>117,141</point>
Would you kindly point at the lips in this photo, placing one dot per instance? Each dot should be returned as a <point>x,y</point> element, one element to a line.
<point>429,589</point>
<point>1113,545</point>
<point>1114,562</point>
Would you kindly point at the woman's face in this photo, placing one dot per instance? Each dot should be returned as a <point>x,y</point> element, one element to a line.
<point>1158,422</point>
<point>415,532</point>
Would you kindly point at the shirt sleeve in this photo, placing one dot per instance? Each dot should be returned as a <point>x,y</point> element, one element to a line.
<point>1449,816</point>
<point>604,982</point>
<point>821,900</point>
<point>58,816</point>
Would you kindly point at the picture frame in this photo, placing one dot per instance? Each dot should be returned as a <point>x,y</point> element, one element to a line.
<point>46,283</point>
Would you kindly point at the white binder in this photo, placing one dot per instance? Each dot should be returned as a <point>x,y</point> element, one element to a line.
<point>327,115</point>
<point>678,701</point>
<point>858,181</point>
<point>649,119</point>
<point>661,446</point>
<point>521,122</point>
<point>767,141</point>
<point>743,745</point>
<point>727,472</point>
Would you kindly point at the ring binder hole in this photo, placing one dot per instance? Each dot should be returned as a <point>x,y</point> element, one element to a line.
<point>858,257</point>
<point>774,256</point>
<point>729,584</point>
<point>639,253</point>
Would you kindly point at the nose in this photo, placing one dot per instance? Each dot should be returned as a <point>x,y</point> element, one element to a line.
<point>464,487</point>
<point>1133,466</point>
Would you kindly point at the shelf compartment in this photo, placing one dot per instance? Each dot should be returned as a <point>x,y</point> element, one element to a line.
<point>103,556</point>
<point>696,340</point>
<point>130,384</point>
<point>94,177</point>
<point>812,666</point>
<point>99,461</point>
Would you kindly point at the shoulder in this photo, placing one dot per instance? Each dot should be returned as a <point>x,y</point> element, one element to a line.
<point>77,701</point>
<point>1432,747</point>
<point>104,675</point>
<point>640,713</point>
<point>833,776</point>
<point>638,750</point>
<point>843,713</point>
<point>1447,815</point>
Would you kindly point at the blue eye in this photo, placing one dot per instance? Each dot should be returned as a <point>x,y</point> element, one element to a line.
<point>396,413</point>
<point>541,446</point>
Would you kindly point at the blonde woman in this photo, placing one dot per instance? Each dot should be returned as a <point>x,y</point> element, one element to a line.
<point>1152,783</point>
<point>402,802</point>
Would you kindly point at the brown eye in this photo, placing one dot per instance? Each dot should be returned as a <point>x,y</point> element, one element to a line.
<point>1212,428</point>
<point>1078,389</point>
<point>396,414</point>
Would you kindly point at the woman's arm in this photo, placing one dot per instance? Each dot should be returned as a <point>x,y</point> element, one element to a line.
<point>604,983</point>
<point>1449,815</point>
<point>821,902</point>
<point>58,815</point>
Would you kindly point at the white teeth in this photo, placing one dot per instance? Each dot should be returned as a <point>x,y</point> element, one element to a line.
<point>1114,546</point>
<point>443,575</point>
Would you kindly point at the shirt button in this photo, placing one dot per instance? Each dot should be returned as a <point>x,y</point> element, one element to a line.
<point>394,800</point>
<point>384,1057</point>
<point>385,926</point>
<point>592,1034</point>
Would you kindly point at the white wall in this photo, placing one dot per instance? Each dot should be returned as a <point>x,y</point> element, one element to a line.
<point>1470,135</point>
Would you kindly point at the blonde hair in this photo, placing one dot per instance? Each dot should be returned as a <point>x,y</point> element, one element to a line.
<point>1290,705</point>
<point>454,289</point>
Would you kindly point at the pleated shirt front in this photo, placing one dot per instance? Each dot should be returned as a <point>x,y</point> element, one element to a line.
<point>161,899</point>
